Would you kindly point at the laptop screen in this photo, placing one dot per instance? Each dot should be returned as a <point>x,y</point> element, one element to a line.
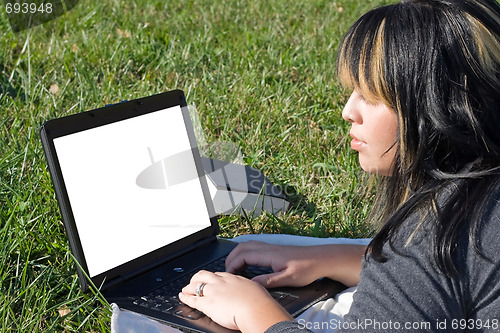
<point>133,187</point>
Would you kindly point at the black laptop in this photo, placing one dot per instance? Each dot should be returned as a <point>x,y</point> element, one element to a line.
<point>137,209</point>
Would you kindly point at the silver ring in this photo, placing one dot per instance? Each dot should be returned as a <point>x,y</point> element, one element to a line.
<point>199,290</point>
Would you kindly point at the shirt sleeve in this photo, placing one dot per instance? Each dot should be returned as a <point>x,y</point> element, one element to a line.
<point>287,327</point>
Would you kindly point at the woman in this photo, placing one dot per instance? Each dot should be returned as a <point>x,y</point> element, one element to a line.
<point>425,115</point>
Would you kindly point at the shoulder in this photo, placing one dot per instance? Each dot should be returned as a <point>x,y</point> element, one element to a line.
<point>421,232</point>
<point>479,260</point>
<point>410,278</point>
<point>484,228</point>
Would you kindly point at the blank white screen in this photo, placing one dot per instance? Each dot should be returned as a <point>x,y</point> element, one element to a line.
<point>118,220</point>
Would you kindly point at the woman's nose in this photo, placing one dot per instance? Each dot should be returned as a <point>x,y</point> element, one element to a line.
<point>350,113</point>
<point>346,114</point>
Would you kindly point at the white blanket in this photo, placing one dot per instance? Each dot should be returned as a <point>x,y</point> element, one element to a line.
<point>321,317</point>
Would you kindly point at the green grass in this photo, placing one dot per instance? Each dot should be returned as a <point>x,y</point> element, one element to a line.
<point>260,73</point>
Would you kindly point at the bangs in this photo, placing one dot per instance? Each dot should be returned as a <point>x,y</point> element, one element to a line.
<point>360,58</point>
<point>488,47</point>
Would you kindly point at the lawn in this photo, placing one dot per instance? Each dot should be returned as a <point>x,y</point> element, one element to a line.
<point>261,74</point>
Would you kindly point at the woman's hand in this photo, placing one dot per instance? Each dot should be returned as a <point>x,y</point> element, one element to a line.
<point>298,265</point>
<point>292,265</point>
<point>233,301</point>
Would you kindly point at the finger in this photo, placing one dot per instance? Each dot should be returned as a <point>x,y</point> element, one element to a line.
<point>223,274</point>
<point>191,300</point>
<point>246,246</point>
<point>190,289</point>
<point>199,278</point>
<point>271,280</point>
<point>203,276</point>
<point>248,256</point>
<point>238,251</point>
<point>188,296</point>
<point>235,264</point>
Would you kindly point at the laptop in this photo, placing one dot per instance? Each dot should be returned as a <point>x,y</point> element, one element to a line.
<point>137,210</point>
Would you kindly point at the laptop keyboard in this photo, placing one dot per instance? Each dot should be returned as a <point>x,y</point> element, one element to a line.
<point>165,298</point>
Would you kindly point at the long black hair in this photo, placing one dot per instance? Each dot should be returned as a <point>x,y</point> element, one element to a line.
<point>436,63</point>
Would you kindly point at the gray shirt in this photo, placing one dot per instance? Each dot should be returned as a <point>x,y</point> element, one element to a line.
<point>407,293</point>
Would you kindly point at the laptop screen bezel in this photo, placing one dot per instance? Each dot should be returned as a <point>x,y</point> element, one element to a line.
<point>67,125</point>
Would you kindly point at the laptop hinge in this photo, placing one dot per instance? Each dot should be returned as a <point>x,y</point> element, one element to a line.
<point>205,241</point>
<point>109,284</point>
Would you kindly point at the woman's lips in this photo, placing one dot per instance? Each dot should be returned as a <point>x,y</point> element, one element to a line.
<point>356,144</point>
